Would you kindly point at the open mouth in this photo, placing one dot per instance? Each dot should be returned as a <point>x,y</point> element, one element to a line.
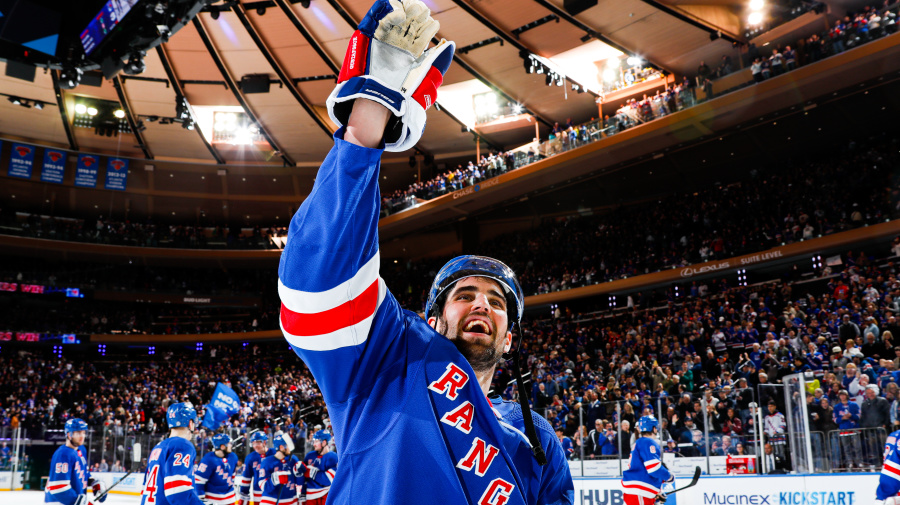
<point>477,326</point>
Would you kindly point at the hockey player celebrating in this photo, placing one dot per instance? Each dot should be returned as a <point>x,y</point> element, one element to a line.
<point>247,487</point>
<point>214,482</point>
<point>320,464</point>
<point>646,473</point>
<point>281,474</point>
<point>889,480</point>
<point>70,477</point>
<point>170,469</point>
<point>401,390</point>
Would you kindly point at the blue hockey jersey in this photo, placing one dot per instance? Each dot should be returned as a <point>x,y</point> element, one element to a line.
<point>170,474</point>
<point>646,473</point>
<point>247,479</point>
<point>889,480</point>
<point>398,392</point>
<point>273,493</point>
<point>326,464</point>
<point>214,479</point>
<point>68,476</point>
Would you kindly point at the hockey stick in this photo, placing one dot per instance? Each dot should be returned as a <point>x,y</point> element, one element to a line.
<point>136,459</point>
<point>692,484</point>
<point>114,484</point>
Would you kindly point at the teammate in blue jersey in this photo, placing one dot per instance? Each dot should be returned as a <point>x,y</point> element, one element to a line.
<point>214,480</point>
<point>321,465</point>
<point>403,392</point>
<point>644,478</point>
<point>70,477</point>
<point>170,468</point>
<point>889,480</point>
<point>248,491</point>
<point>281,475</point>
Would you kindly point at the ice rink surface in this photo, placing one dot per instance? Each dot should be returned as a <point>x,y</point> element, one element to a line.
<point>37,498</point>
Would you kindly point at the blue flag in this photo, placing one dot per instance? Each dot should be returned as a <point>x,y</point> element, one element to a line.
<point>224,404</point>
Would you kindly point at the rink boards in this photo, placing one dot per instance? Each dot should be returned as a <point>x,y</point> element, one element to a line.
<point>820,489</point>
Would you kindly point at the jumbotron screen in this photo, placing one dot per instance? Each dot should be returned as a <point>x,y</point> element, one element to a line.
<point>104,22</point>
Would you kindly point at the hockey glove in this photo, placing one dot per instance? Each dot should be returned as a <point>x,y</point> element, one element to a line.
<point>97,487</point>
<point>279,478</point>
<point>661,497</point>
<point>311,472</point>
<point>299,469</point>
<point>386,62</point>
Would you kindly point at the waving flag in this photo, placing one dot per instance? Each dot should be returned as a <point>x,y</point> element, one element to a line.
<point>224,404</point>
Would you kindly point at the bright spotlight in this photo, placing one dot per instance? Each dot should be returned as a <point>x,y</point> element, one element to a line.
<point>119,113</point>
<point>242,137</point>
<point>755,18</point>
<point>609,75</point>
<point>633,61</point>
<point>757,5</point>
<point>80,108</point>
<point>92,111</point>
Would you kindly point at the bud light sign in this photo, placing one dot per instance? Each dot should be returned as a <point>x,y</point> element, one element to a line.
<point>54,166</point>
<point>21,159</point>
<point>86,171</point>
<point>116,173</point>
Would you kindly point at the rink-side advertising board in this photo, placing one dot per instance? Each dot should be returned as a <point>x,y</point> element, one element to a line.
<point>821,489</point>
<point>130,486</point>
<point>7,485</point>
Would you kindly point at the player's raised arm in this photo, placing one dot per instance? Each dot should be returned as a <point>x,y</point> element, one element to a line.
<point>329,284</point>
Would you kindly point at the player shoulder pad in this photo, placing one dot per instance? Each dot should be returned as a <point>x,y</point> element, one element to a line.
<point>182,444</point>
<point>330,458</point>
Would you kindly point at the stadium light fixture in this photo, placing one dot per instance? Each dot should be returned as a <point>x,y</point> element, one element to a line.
<point>755,18</point>
<point>119,113</point>
<point>757,5</point>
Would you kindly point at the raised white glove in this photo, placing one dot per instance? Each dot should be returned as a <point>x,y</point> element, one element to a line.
<point>386,62</point>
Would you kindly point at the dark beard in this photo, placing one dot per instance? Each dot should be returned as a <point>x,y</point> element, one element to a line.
<point>481,359</point>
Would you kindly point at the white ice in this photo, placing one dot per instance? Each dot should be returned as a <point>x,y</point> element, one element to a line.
<point>37,498</point>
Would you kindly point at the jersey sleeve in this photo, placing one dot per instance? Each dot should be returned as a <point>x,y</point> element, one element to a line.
<point>889,480</point>
<point>557,487</point>
<point>336,311</point>
<point>246,478</point>
<point>264,478</point>
<point>325,476</point>
<point>204,471</point>
<point>178,485</point>
<point>62,473</point>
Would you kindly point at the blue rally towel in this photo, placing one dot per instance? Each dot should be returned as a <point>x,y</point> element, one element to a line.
<point>224,404</point>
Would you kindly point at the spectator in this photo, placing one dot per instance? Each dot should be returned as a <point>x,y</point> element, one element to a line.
<point>875,410</point>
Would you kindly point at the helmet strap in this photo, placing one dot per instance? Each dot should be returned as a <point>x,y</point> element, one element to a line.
<point>536,447</point>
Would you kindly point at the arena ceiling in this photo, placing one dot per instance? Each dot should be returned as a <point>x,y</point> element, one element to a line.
<point>301,48</point>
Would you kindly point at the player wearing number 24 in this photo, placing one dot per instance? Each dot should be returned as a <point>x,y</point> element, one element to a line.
<point>170,469</point>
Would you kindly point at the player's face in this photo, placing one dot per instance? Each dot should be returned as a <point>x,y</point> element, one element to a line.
<point>77,438</point>
<point>259,446</point>
<point>475,319</point>
<point>318,445</point>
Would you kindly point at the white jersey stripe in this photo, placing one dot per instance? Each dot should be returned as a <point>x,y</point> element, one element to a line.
<point>178,489</point>
<point>308,302</point>
<point>345,337</point>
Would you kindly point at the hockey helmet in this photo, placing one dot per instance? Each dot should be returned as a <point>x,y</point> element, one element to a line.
<point>647,423</point>
<point>322,435</point>
<point>220,439</point>
<point>75,424</point>
<point>259,436</point>
<point>477,266</point>
<point>285,440</point>
<point>180,414</point>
